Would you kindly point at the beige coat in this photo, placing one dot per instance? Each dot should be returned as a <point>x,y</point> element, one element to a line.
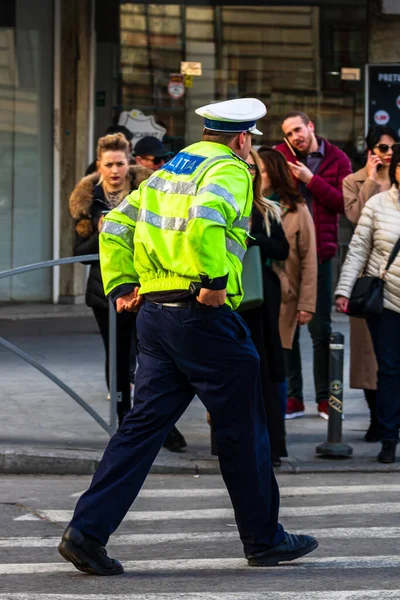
<point>298,274</point>
<point>377,231</point>
<point>357,189</point>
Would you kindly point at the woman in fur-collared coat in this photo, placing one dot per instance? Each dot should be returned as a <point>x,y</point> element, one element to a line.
<point>92,197</point>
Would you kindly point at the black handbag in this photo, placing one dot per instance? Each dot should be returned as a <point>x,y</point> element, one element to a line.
<point>366,298</point>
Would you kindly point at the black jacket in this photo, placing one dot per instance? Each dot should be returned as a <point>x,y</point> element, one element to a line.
<point>86,204</point>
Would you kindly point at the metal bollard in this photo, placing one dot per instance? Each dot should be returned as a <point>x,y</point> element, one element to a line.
<point>334,447</point>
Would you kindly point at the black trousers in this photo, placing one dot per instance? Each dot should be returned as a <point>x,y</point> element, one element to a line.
<point>126,353</point>
<point>275,420</point>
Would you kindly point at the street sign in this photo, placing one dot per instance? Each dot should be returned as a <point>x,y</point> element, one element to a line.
<point>382,96</point>
<point>191,68</point>
<point>176,87</point>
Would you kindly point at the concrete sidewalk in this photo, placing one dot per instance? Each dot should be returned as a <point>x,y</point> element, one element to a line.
<point>44,431</point>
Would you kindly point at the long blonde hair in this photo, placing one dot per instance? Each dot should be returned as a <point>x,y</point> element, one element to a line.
<point>269,209</point>
<point>115,142</point>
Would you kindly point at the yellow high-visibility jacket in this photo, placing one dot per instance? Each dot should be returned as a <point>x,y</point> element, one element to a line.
<point>187,223</point>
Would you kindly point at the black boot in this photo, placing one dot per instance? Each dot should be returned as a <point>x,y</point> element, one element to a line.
<point>174,441</point>
<point>372,434</point>
<point>388,453</point>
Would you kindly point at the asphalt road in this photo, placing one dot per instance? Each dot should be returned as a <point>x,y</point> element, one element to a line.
<point>180,541</point>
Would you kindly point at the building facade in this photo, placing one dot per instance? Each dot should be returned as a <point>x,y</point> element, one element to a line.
<point>70,68</point>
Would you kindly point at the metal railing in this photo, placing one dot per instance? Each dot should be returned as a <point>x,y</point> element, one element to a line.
<point>115,396</point>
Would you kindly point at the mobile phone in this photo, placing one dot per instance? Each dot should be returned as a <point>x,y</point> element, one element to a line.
<point>379,167</point>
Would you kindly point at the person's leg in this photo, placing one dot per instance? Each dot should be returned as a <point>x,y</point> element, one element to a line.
<point>223,368</point>
<point>101,316</point>
<point>372,434</point>
<point>386,340</point>
<point>162,394</point>
<point>293,368</point>
<point>275,422</point>
<point>320,328</point>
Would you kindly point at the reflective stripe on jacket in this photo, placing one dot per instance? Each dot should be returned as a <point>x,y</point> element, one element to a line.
<point>188,222</point>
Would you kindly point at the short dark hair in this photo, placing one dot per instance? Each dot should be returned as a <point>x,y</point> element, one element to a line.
<point>393,164</point>
<point>296,113</point>
<point>219,137</point>
<point>375,133</point>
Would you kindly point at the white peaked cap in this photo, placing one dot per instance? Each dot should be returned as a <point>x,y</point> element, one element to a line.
<point>233,116</point>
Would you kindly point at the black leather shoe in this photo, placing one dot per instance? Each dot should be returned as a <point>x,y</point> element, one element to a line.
<point>87,554</point>
<point>292,546</point>
<point>174,442</point>
<point>388,453</point>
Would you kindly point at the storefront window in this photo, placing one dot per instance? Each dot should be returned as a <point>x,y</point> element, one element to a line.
<point>290,57</point>
<point>26,92</point>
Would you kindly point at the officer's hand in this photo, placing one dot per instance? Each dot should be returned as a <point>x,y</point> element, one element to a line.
<point>212,297</point>
<point>130,302</point>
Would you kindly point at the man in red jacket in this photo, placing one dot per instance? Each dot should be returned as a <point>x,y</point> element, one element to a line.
<point>319,169</point>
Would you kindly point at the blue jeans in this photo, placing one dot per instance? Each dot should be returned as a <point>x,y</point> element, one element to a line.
<point>320,328</point>
<point>385,334</point>
<point>182,352</point>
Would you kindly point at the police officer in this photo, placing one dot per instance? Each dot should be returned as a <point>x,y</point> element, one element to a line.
<point>182,237</point>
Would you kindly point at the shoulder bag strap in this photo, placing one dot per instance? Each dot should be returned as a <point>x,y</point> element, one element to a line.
<point>392,256</point>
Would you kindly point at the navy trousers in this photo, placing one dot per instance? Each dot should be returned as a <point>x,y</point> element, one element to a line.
<point>385,334</point>
<point>182,352</point>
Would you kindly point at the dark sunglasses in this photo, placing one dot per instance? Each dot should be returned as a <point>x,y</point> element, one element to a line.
<point>156,160</point>
<point>385,147</point>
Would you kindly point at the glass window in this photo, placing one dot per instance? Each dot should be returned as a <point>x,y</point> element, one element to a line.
<point>290,57</point>
<point>26,150</point>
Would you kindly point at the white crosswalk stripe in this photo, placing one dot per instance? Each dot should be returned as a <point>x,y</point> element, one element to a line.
<point>347,595</point>
<point>64,516</point>
<point>214,564</point>
<point>143,539</point>
<point>285,492</point>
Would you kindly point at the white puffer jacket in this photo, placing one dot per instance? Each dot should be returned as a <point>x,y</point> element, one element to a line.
<point>377,231</point>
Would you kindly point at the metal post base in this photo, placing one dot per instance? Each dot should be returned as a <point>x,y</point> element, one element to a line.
<point>335,449</point>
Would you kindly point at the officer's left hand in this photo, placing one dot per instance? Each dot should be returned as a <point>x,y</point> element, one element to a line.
<point>212,297</point>
<point>130,302</point>
<point>301,172</point>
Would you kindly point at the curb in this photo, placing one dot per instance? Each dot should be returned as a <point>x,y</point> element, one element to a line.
<point>32,461</point>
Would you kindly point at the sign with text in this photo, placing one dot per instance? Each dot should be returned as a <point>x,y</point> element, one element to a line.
<point>382,96</point>
<point>191,68</point>
<point>141,125</point>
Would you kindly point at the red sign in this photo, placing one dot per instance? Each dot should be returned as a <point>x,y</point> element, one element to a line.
<point>176,86</point>
<point>381,117</point>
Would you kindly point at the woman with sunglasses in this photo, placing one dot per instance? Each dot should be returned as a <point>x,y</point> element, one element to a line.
<point>376,236</point>
<point>267,233</point>
<point>357,189</point>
